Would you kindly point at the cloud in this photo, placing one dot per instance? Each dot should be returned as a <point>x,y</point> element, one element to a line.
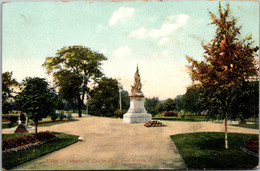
<point>120,15</point>
<point>164,40</point>
<point>171,25</point>
<point>161,54</point>
<point>100,26</point>
<point>121,52</point>
<point>140,33</point>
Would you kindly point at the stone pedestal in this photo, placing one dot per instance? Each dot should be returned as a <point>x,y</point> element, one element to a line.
<point>137,113</point>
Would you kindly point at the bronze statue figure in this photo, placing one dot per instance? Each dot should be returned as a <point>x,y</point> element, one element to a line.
<point>137,83</point>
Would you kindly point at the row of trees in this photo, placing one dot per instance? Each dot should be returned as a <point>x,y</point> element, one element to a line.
<point>38,99</point>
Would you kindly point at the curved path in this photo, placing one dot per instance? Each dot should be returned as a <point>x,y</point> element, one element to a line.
<point>111,144</point>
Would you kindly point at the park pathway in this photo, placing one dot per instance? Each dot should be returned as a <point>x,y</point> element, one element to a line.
<point>111,144</point>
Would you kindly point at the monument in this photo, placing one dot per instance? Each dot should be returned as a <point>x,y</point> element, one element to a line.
<point>136,112</point>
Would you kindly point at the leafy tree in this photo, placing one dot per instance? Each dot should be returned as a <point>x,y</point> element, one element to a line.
<point>36,99</point>
<point>150,105</point>
<point>69,86</point>
<point>8,84</point>
<point>228,62</point>
<point>178,102</point>
<point>245,102</point>
<point>77,61</point>
<point>160,107</point>
<point>125,100</point>
<point>192,101</point>
<point>169,104</point>
<point>104,97</point>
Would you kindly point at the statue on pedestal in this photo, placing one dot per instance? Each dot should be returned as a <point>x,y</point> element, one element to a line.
<point>137,113</point>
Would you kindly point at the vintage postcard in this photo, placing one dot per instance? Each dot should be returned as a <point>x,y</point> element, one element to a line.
<point>130,85</point>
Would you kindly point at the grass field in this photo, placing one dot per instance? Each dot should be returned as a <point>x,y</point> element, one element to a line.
<point>14,159</point>
<point>186,118</point>
<point>253,126</point>
<point>206,151</point>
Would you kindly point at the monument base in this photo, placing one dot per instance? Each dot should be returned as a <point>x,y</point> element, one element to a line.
<point>137,117</point>
<point>137,113</point>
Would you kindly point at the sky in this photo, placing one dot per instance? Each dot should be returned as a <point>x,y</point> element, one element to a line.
<point>155,35</point>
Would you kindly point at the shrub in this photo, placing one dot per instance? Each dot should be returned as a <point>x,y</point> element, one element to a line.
<point>170,113</point>
<point>182,113</point>
<point>54,117</point>
<point>119,113</point>
<point>69,116</point>
<point>13,119</point>
<point>62,116</point>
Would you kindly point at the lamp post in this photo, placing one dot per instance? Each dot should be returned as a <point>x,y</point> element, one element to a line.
<point>120,90</point>
<point>87,103</point>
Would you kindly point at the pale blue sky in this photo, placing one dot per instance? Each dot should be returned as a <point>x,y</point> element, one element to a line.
<point>156,35</point>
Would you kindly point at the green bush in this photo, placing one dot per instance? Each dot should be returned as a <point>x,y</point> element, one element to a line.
<point>69,116</point>
<point>119,113</point>
<point>62,116</point>
<point>182,113</point>
<point>54,117</point>
<point>13,119</point>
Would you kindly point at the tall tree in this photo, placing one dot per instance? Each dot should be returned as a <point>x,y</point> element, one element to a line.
<point>178,102</point>
<point>69,86</point>
<point>245,102</point>
<point>8,84</point>
<point>104,97</point>
<point>192,101</point>
<point>169,104</point>
<point>228,61</point>
<point>150,105</point>
<point>36,99</point>
<point>125,100</point>
<point>79,61</point>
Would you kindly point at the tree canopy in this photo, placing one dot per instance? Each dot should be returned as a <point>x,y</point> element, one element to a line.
<point>228,61</point>
<point>105,97</point>
<point>150,105</point>
<point>36,99</point>
<point>191,100</point>
<point>8,83</point>
<point>79,62</point>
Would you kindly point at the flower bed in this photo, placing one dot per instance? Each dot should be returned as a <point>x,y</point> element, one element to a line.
<point>5,120</point>
<point>251,147</point>
<point>170,113</point>
<point>27,141</point>
<point>46,122</point>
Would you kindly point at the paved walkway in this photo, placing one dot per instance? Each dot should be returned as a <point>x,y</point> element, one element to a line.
<point>111,144</point>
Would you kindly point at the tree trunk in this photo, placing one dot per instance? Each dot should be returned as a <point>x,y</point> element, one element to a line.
<point>36,127</point>
<point>226,134</point>
<point>79,105</point>
<point>73,109</point>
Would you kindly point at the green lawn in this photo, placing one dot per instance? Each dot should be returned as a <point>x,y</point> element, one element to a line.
<point>65,120</point>
<point>206,151</point>
<point>11,160</point>
<point>59,122</point>
<point>253,126</point>
<point>186,118</point>
<point>4,126</point>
